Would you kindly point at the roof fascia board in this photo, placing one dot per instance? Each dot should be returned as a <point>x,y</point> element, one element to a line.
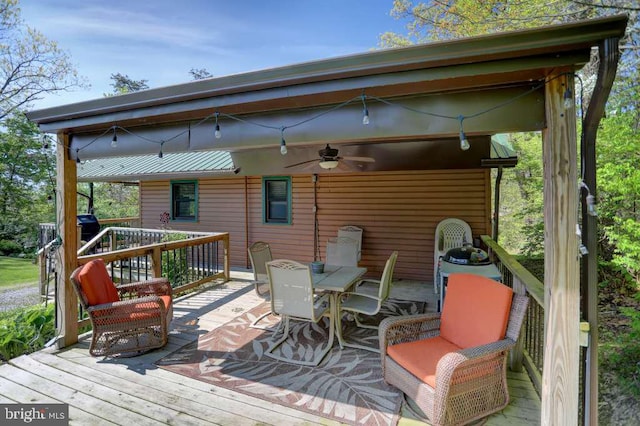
<point>455,78</point>
<point>500,45</point>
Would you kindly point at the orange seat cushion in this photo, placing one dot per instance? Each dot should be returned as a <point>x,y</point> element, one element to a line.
<point>96,283</point>
<point>138,312</point>
<point>476,310</point>
<point>421,357</point>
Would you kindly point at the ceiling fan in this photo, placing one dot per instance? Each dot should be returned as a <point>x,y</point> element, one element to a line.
<point>329,159</point>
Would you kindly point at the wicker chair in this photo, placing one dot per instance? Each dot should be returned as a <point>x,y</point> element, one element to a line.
<point>127,320</point>
<point>453,364</point>
<point>367,300</point>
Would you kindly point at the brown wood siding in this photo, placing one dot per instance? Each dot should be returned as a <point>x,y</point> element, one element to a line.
<point>397,210</point>
<point>221,208</point>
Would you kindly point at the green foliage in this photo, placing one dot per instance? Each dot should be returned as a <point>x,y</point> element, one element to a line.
<point>26,330</point>
<point>111,200</point>
<point>8,248</point>
<point>174,262</point>
<point>618,177</point>
<point>26,170</point>
<point>30,64</point>
<point>123,84</point>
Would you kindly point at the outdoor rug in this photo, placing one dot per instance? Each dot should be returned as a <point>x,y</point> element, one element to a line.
<point>347,386</point>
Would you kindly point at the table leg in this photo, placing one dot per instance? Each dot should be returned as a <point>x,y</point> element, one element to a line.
<point>338,318</point>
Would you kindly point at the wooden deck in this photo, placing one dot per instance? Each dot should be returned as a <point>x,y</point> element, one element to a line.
<point>134,391</point>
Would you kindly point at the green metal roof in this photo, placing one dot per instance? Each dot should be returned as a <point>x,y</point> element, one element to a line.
<point>150,167</point>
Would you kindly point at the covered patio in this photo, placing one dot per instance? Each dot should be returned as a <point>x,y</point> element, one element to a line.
<point>429,107</point>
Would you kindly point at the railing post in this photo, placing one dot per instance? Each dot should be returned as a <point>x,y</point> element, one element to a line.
<point>227,267</point>
<point>517,354</point>
<point>113,240</point>
<point>156,261</point>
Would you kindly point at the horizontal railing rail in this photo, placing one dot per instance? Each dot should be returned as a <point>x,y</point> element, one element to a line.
<point>47,232</point>
<point>531,344</point>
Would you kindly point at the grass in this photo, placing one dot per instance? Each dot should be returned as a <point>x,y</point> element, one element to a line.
<point>14,271</point>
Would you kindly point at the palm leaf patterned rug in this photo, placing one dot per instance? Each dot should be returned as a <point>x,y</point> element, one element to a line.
<point>347,386</point>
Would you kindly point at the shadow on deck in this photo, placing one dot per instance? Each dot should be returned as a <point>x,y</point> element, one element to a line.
<point>135,391</point>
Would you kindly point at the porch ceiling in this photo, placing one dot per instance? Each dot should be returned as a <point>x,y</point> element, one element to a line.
<point>459,77</point>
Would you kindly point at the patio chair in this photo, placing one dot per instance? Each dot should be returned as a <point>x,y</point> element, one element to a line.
<point>354,233</point>
<point>293,297</point>
<point>342,251</point>
<point>361,301</point>
<point>450,233</point>
<point>129,319</point>
<point>259,255</point>
<point>453,364</point>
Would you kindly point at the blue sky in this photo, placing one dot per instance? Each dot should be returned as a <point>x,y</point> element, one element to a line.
<point>161,40</point>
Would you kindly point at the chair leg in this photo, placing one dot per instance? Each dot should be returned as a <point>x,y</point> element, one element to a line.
<point>344,343</point>
<point>255,322</point>
<point>362,325</point>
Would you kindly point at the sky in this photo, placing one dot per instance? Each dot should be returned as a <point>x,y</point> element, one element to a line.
<point>161,40</point>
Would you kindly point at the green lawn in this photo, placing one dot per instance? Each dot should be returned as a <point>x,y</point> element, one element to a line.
<point>14,271</point>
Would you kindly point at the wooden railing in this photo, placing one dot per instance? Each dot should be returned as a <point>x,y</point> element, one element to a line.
<point>531,344</point>
<point>47,231</point>
<point>187,259</point>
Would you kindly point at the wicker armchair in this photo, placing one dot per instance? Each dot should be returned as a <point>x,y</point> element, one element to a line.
<point>453,364</point>
<point>127,320</point>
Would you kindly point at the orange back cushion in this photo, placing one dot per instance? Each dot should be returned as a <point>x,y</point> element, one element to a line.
<point>96,283</point>
<point>476,310</point>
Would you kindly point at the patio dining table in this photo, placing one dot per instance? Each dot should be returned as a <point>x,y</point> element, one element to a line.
<point>337,280</point>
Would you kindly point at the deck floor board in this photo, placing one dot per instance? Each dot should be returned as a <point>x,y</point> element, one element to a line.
<point>135,391</point>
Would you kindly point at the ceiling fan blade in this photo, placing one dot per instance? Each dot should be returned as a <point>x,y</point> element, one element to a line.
<point>361,159</point>
<point>299,164</point>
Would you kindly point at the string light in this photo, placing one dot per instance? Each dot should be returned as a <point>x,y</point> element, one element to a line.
<point>590,199</point>
<point>160,154</point>
<point>365,111</point>
<point>114,141</point>
<point>464,143</point>
<point>283,144</point>
<point>77,155</point>
<point>217,133</point>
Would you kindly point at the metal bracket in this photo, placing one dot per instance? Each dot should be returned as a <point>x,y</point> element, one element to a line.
<point>584,334</point>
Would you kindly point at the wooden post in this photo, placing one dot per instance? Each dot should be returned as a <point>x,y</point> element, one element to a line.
<point>560,377</point>
<point>67,204</point>
<point>156,262</point>
<point>227,254</point>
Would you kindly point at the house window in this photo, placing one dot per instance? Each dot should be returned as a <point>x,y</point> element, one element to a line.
<point>184,200</point>
<point>276,195</point>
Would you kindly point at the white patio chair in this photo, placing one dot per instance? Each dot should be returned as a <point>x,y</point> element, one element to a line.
<point>354,233</point>
<point>450,233</point>
<point>292,297</point>
<point>342,251</point>
<point>259,255</point>
<point>362,301</point>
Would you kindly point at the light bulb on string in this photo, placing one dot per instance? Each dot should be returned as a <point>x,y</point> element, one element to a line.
<point>365,111</point>
<point>464,142</point>
<point>114,141</point>
<point>160,154</point>
<point>78,156</point>
<point>283,144</point>
<point>217,132</point>
<point>591,205</point>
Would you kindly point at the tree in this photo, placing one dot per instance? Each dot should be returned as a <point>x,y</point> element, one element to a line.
<point>30,64</point>
<point>26,170</point>
<point>122,84</point>
<point>199,73</point>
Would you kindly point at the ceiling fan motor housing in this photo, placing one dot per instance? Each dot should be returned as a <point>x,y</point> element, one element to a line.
<point>328,152</point>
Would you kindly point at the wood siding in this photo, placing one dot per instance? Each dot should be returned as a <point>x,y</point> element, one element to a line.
<point>397,210</point>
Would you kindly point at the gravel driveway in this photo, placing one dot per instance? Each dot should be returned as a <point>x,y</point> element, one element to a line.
<point>17,297</point>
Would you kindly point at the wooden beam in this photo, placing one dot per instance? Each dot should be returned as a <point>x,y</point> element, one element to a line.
<point>66,201</point>
<point>560,376</point>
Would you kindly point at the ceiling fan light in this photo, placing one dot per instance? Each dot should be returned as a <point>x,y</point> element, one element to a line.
<point>328,164</point>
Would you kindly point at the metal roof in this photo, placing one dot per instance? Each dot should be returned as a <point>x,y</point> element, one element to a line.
<point>150,167</point>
